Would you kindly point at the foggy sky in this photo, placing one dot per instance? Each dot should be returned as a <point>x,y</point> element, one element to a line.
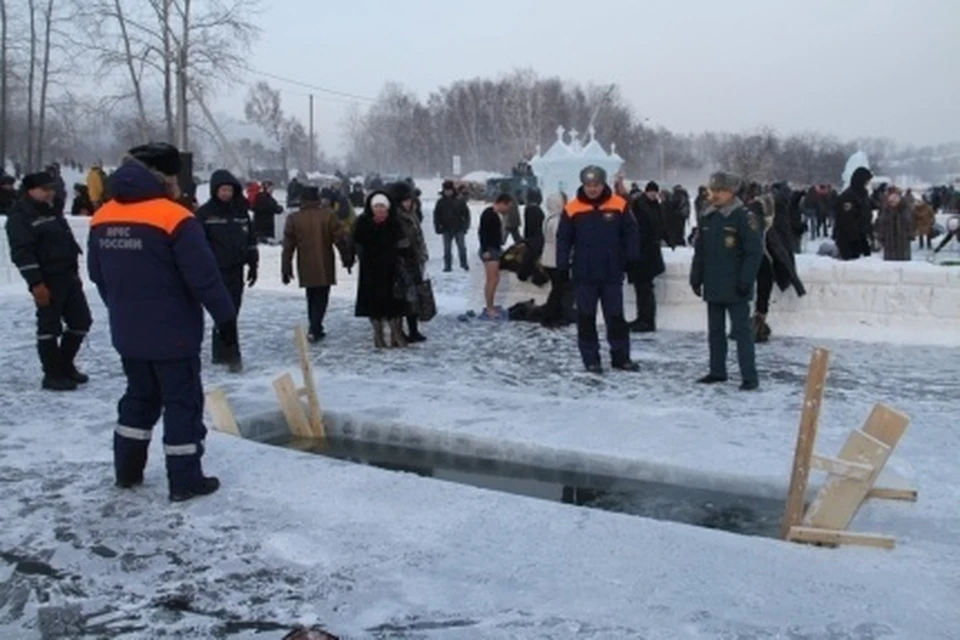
<point>885,68</point>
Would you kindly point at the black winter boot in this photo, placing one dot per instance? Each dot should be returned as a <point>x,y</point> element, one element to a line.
<point>69,347</point>
<point>53,376</point>
<point>414,335</point>
<point>207,486</point>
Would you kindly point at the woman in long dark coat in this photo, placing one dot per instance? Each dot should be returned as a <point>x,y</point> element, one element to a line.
<point>376,236</point>
<point>646,209</point>
<point>895,226</point>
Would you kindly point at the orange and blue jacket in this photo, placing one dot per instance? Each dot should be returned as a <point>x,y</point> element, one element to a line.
<point>599,237</point>
<point>154,270</point>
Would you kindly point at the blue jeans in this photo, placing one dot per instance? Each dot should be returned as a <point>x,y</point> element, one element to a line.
<point>448,239</point>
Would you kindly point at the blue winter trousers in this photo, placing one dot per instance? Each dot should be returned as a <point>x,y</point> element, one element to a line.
<point>610,298</point>
<point>173,388</point>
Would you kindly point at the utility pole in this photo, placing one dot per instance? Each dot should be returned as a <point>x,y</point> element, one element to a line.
<point>312,151</point>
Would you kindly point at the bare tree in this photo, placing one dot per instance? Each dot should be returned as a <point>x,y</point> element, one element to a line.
<point>30,81</point>
<point>263,109</point>
<point>4,94</point>
<point>44,80</point>
<point>179,45</point>
<point>162,10</point>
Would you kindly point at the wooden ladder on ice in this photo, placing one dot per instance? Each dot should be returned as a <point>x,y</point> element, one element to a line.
<point>304,422</point>
<point>852,474</point>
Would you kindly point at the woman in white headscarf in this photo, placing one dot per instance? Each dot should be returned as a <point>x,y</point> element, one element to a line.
<point>553,315</point>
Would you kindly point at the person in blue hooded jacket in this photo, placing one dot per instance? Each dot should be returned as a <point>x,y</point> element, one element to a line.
<point>156,274</point>
<point>599,236</point>
<point>226,223</point>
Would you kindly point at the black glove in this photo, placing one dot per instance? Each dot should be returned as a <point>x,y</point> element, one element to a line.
<point>286,277</point>
<point>252,275</point>
<point>743,290</point>
<point>697,290</point>
<point>228,333</point>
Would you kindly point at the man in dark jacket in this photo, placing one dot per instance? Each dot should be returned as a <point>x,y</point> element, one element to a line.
<point>646,209</point>
<point>265,210</point>
<point>676,216</point>
<point>451,219</point>
<point>854,217</point>
<point>43,248</point>
<point>599,237</point>
<point>293,193</point>
<point>226,224</point>
<point>726,259</point>
<point>59,188</point>
<point>156,274</point>
<point>8,194</point>
<point>357,196</point>
<point>533,218</point>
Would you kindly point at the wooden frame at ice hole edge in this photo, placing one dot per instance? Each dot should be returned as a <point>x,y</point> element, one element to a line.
<point>852,474</point>
<point>303,423</point>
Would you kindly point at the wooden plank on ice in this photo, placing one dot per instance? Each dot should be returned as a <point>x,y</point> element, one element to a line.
<point>220,414</point>
<point>835,538</point>
<point>806,437</point>
<point>891,493</point>
<point>314,413</point>
<point>290,405</point>
<point>837,467</point>
<point>840,498</point>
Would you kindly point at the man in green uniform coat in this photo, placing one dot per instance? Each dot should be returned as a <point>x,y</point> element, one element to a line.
<point>728,253</point>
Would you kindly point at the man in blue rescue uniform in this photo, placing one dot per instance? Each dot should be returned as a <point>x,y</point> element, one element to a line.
<point>46,253</point>
<point>156,273</point>
<point>599,235</point>
<point>727,256</point>
<point>226,223</point>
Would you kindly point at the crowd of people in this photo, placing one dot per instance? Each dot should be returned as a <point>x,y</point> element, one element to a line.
<point>158,260</point>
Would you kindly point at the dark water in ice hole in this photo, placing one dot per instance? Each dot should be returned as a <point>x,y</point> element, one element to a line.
<point>746,515</point>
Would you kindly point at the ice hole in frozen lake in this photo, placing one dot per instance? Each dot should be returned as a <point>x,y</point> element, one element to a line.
<point>530,474</point>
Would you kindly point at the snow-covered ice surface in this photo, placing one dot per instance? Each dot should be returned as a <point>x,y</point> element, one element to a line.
<point>293,537</point>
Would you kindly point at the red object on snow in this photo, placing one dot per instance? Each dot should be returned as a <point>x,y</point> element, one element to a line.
<point>253,188</point>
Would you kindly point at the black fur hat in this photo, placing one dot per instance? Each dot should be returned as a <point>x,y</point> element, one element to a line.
<point>37,180</point>
<point>161,156</point>
<point>400,191</point>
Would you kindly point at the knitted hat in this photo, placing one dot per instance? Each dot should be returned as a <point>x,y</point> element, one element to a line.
<point>160,156</point>
<point>652,186</point>
<point>379,199</point>
<point>593,174</point>
<point>40,180</point>
<point>724,181</point>
<point>448,186</point>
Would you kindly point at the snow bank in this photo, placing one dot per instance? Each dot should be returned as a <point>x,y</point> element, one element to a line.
<point>866,300</point>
